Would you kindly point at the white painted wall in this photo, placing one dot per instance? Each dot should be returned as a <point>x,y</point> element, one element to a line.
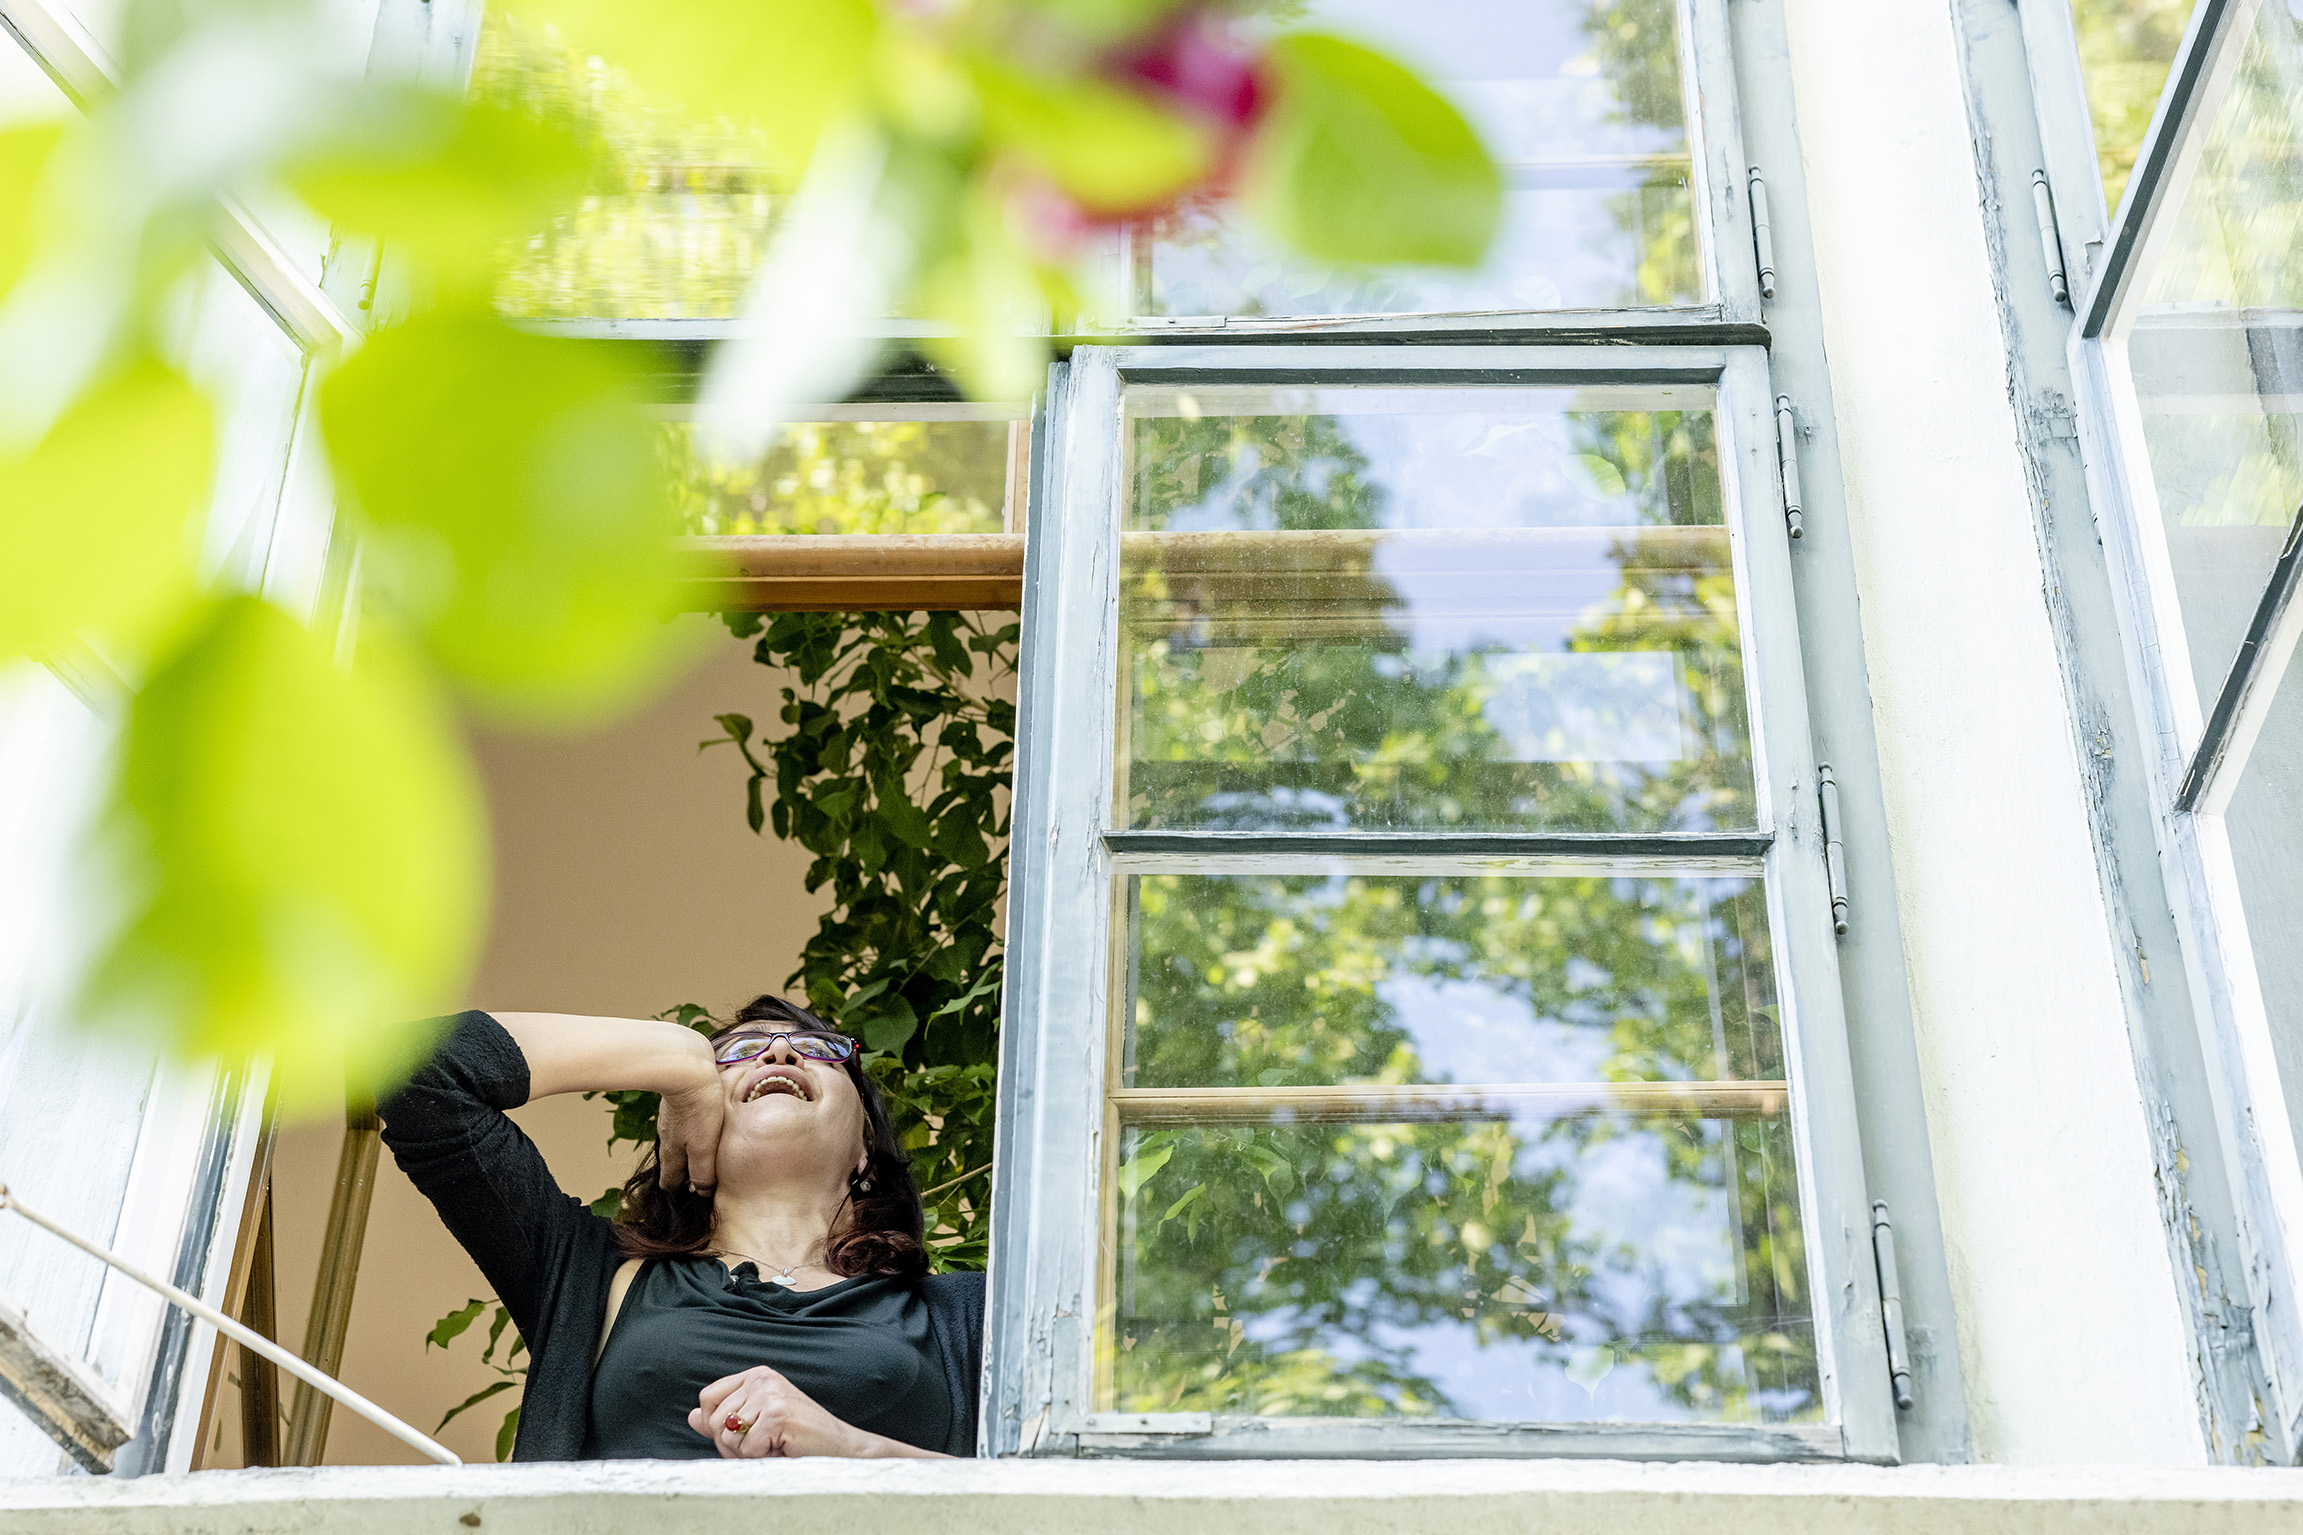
<point>2070,1327</point>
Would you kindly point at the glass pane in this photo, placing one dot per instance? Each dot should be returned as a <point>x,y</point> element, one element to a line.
<point>1435,608</point>
<point>2265,822</point>
<point>1584,103</point>
<point>680,216</point>
<point>2126,48</point>
<point>855,477</point>
<point>27,95</point>
<point>2217,349</point>
<point>1298,980</point>
<point>1599,1268</point>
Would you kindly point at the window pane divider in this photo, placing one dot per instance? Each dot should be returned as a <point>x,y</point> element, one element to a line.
<point>1425,1103</point>
<point>1737,845</point>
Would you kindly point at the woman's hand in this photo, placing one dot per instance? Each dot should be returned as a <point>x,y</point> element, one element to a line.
<point>688,1131</point>
<point>771,1416</point>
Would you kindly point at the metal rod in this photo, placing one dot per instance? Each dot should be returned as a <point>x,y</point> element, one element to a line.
<point>1834,856</point>
<point>1891,1303</point>
<point>1762,238</point>
<point>2238,714</point>
<point>1376,1104</point>
<point>1787,456</point>
<point>246,1337</point>
<point>2050,242</point>
<point>1461,844</point>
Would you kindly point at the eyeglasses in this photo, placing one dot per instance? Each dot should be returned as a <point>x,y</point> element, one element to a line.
<point>815,1047</point>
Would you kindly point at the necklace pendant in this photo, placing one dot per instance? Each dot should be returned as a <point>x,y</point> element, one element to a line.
<point>783,1279</point>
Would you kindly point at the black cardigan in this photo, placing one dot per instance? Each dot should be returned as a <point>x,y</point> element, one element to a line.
<point>549,1257</point>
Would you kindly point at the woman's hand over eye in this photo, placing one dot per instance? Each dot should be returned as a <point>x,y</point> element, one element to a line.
<point>688,1130</point>
<point>760,1413</point>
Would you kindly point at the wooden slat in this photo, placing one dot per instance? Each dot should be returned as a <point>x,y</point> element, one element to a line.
<point>331,1316</point>
<point>251,1269</point>
<point>65,1398</point>
<point>259,1378</point>
<point>821,573</point>
<point>1429,1103</point>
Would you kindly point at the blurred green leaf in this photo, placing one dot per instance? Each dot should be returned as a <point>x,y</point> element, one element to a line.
<point>515,509</point>
<point>794,67</point>
<point>445,182</point>
<point>23,155</point>
<point>1110,150</point>
<point>507,1433</point>
<point>95,519</point>
<point>986,286</point>
<point>298,846</point>
<point>1360,161</point>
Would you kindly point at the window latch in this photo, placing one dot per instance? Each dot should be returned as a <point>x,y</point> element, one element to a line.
<point>1762,238</point>
<point>2050,243</point>
<point>1787,457</point>
<point>1834,856</point>
<point>1891,1303</point>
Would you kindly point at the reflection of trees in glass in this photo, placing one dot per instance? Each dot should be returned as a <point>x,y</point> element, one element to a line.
<point>2126,48</point>
<point>680,210</point>
<point>1635,44</point>
<point>1329,1270</point>
<point>849,477</point>
<point>1288,686</point>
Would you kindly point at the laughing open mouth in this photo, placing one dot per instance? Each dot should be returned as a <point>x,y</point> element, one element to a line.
<point>775,1081</point>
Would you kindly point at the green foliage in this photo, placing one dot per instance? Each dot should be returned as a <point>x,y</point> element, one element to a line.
<point>894,772</point>
<point>511,1369</point>
<point>528,542</point>
<point>130,574</point>
<point>1363,162</point>
<point>296,845</point>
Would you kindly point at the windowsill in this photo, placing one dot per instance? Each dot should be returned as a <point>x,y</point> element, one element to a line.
<point>1021,1497</point>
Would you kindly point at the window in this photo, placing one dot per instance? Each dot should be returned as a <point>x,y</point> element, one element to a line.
<point>1422,955</point>
<point>2190,358</point>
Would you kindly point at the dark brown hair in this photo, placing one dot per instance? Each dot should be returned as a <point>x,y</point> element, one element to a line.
<point>882,1232</point>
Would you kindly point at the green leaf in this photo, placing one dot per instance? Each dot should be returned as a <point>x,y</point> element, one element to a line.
<point>24,155</point>
<point>444,181</point>
<point>891,1025</point>
<point>97,519</point>
<point>1139,1170</point>
<point>297,847</point>
<point>904,820</point>
<point>1111,150</point>
<point>610,1204</point>
<point>794,67</point>
<point>507,1434</point>
<point>451,1326</point>
<point>474,1400</point>
<point>515,508</point>
<point>1360,161</point>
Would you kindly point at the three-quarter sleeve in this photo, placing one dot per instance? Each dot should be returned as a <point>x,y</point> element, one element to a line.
<point>448,1132</point>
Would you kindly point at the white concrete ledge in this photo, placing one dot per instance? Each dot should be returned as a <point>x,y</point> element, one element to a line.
<point>826,1497</point>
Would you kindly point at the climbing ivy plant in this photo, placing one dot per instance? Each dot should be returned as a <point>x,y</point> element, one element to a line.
<point>893,767</point>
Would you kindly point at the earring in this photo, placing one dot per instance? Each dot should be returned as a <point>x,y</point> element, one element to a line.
<point>859,1183</point>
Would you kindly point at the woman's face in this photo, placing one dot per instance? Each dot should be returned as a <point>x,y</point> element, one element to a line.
<point>787,1116</point>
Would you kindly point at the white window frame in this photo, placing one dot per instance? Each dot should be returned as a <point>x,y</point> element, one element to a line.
<point>2195,750</point>
<point>1046,1204</point>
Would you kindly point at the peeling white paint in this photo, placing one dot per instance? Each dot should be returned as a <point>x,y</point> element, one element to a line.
<point>2070,1328</point>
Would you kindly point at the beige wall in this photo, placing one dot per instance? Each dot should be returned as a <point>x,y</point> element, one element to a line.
<point>627,882</point>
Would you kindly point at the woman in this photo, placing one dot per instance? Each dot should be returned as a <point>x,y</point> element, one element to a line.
<point>765,1289</point>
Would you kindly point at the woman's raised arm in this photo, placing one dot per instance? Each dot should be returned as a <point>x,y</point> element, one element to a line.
<point>577,1053</point>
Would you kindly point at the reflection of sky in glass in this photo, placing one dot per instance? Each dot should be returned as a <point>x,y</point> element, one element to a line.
<point>1691,1000</point>
<point>1668,1268</point>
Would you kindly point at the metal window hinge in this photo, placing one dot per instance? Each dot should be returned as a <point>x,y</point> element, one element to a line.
<point>1891,1303</point>
<point>2050,243</point>
<point>1787,455</point>
<point>1762,238</point>
<point>1834,857</point>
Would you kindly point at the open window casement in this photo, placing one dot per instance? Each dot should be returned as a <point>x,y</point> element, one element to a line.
<point>1424,1031</point>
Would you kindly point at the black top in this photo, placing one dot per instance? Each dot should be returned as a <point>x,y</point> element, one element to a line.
<point>551,1259</point>
<point>862,1348</point>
